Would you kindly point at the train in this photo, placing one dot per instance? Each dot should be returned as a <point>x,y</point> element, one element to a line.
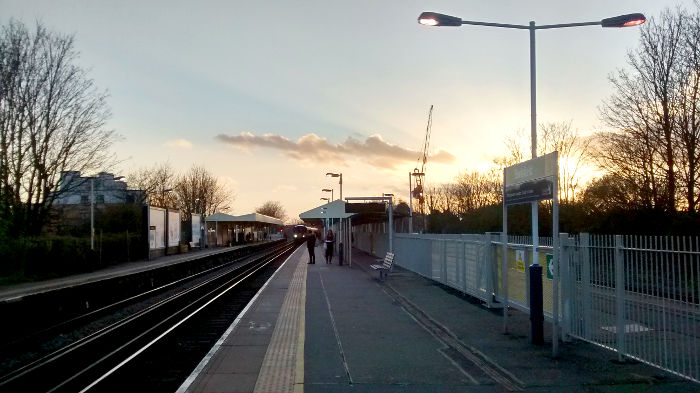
<point>299,233</point>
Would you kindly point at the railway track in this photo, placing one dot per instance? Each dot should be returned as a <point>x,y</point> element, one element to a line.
<point>154,348</point>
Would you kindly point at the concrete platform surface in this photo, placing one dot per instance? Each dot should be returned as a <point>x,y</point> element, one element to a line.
<point>8,292</point>
<point>406,334</point>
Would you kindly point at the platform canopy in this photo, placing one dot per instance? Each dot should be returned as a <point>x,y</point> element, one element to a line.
<point>244,219</point>
<point>335,209</point>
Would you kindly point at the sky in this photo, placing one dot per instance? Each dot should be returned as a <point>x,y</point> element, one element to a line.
<point>271,95</point>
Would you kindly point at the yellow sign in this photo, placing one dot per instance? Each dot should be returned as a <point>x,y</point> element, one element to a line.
<point>520,260</point>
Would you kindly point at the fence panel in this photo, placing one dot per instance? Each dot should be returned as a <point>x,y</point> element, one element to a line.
<point>636,295</point>
<point>639,296</point>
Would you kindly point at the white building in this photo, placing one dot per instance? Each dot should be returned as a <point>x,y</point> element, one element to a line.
<point>74,189</point>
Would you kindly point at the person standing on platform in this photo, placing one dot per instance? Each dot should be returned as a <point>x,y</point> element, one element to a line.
<point>311,244</point>
<point>330,239</point>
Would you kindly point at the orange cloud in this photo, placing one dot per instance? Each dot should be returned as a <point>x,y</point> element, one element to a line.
<point>373,150</point>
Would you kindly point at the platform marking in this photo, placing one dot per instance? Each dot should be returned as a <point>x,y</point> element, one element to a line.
<point>335,330</point>
<point>301,339</point>
<point>454,363</point>
<point>449,339</point>
<point>214,349</point>
<point>279,367</point>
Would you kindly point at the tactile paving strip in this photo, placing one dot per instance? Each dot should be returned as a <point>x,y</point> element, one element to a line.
<point>279,368</point>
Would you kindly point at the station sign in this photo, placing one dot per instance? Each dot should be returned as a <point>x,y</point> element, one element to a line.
<point>530,181</point>
<point>529,192</point>
<point>371,207</point>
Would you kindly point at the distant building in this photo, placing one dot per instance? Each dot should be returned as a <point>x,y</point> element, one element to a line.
<point>74,189</point>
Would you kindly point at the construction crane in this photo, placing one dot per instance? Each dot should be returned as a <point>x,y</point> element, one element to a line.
<point>419,174</point>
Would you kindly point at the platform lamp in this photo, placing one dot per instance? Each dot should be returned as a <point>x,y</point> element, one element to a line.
<point>340,175</point>
<point>627,20</point>
<point>340,224</point>
<point>329,190</point>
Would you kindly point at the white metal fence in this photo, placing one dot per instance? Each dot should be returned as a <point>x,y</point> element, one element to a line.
<point>635,295</point>
<point>638,296</point>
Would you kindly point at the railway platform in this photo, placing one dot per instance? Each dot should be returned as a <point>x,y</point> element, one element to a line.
<point>10,292</point>
<point>330,328</point>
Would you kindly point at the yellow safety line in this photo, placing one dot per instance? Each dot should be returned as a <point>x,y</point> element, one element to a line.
<point>299,377</point>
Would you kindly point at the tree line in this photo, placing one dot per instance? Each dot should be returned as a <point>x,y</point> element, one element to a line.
<point>194,191</point>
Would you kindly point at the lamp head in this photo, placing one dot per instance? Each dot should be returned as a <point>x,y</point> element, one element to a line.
<point>436,19</point>
<point>624,20</point>
<point>330,174</point>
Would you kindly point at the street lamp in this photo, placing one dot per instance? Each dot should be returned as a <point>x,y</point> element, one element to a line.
<point>437,19</point>
<point>329,190</point>
<point>340,175</point>
<point>325,199</point>
<point>340,224</point>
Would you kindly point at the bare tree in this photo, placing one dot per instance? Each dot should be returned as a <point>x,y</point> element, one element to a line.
<point>574,152</point>
<point>272,209</point>
<point>199,191</point>
<point>441,198</point>
<point>52,119</point>
<point>688,110</point>
<point>644,107</point>
<point>474,190</point>
<point>158,182</point>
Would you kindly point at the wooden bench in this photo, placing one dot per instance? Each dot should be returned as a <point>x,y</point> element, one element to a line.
<point>384,268</point>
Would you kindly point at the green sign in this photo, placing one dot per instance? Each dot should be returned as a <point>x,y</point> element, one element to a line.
<point>550,266</point>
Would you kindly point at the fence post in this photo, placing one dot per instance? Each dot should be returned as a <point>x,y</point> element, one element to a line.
<point>488,257</point>
<point>619,297</point>
<point>566,285</point>
<point>443,265</point>
<point>586,283</point>
<point>461,265</point>
<point>504,280</point>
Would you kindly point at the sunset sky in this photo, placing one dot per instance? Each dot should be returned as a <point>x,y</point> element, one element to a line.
<point>271,95</point>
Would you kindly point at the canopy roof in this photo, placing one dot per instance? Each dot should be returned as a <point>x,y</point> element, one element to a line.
<point>335,209</point>
<point>246,218</point>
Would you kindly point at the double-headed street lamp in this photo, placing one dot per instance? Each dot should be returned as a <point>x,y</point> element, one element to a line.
<point>437,19</point>
<point>329,190</point>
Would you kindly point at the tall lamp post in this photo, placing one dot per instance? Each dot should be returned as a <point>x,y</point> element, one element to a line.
<point>437,19</point>
<point>329,190</point>
<point>325,220</point>
<point>340,175</point>
<point>340,223</point>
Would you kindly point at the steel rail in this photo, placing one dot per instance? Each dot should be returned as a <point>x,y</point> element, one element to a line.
<point>79,350</point>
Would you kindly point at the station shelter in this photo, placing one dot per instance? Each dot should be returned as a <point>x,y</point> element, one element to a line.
<point>224,229</point>
<point>360,223</point>
<point>332,215</point>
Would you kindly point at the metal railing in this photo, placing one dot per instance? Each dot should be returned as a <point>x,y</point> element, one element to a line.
<point>638,296</point>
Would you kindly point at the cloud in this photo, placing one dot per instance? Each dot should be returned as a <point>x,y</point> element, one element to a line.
<point>373,150</point>
<point>179,144</point>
